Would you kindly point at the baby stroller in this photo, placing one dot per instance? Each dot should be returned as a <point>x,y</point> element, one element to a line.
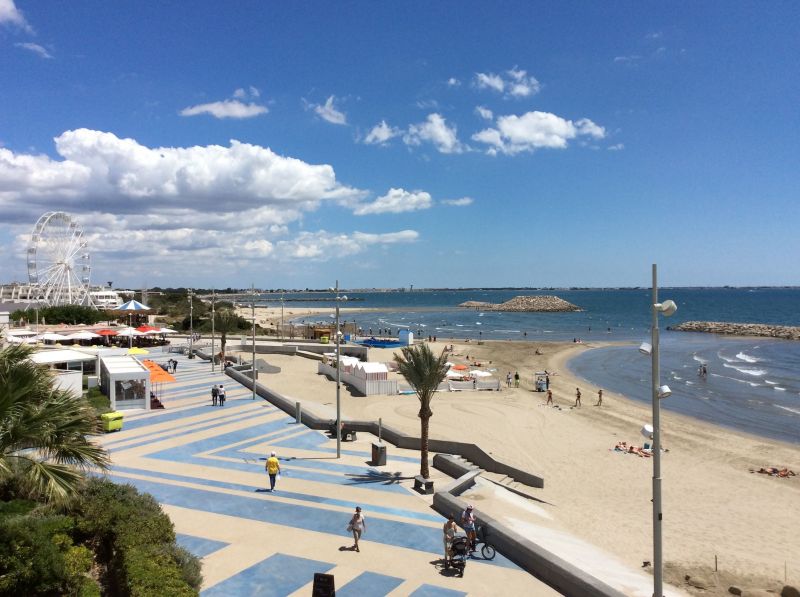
<point>459,552</point>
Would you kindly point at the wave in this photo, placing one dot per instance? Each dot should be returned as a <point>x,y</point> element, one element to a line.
<point>747,358</point>
<point>746,370</point>
<point>699,360</point>
<point>791,410</point>
<point>726,359</point>
<point>507,331</point>
<point>778,389</point>
<point>772,383</point>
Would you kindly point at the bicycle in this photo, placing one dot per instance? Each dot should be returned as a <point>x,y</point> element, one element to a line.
<point>487,549</point>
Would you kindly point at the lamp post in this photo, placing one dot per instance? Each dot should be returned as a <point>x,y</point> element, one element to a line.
<point>281,316</point>
<point>666,308</point>
<point>191,325</point>
<point>213,301</point>
<point>253,315</point>
<point>338,375</point>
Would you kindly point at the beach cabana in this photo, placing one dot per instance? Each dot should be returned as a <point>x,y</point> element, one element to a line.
<point>66,366</point>
<point>125,381</point>
<point>371,371</point>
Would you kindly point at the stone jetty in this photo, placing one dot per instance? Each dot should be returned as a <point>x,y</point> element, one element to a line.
<point>784,332</point>
<point>525,303</point>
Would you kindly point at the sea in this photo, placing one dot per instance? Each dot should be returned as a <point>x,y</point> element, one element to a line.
<point>752,384</point>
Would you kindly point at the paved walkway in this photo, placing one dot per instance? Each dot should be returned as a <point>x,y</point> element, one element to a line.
<point>205,465</point>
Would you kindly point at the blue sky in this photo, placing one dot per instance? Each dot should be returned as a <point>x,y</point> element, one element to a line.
<point>388,144</point>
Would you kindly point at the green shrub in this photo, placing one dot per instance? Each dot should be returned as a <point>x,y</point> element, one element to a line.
<point>16,507</point>
<point>148,570</point>
<point>98,401</point>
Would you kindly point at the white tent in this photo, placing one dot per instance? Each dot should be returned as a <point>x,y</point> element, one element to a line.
<point>125,381</point>
<point>371,371</point>
<point>52,336</point>
<point>479,373</point>
<point>130,332</point>
<point>82,336</point>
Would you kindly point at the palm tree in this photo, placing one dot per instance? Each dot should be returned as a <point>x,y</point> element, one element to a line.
<point>225,322</point>
<point>424,372</point>
<point>43,430</point>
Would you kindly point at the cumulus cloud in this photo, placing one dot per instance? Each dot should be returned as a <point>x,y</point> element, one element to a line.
<point>11,15</point>
<point>250,92</point>
<point>230,108</point>
<point>485,113</point>
<point>434,130</point>
<point>616,147</point>
<point>628,60</point>
<point>396,201</point>
<point>514,83</point>
<point>453,82</point>
<point>35,48</point>
<point>329,113</point>
<point>180,207</point>
<point>381,133</point>
<point>535,130</point>
<point>323,246</point>
<point>462,202</point>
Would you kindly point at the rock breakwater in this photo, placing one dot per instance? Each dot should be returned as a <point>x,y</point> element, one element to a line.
<point>547,303</point>
<point>784,332</point>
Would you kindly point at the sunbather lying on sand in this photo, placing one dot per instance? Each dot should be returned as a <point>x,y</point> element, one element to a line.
<point>775,471</point>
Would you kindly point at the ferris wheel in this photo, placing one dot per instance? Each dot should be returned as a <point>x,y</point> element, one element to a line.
<point>58,261</point>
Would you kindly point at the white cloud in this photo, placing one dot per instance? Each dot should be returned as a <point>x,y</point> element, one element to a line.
<point>436,131</point>
<point>484,112</point>
<point>517,83</point>
<point>230,108</point>
<point>396,201</point>
<point>10,14</point>
<point>535,130</point>
<point>490,81</point>
<point>616,147</point>
<point>381,133</point>
<point>35,48</point>
<point>629,60</point>
<point>329,113</point>
<point>462,202</point>
<point>324,246</point>
<point>453,82</point>
<point>250,92</point>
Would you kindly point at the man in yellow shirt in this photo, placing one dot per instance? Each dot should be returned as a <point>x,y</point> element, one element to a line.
<point>273,470</point>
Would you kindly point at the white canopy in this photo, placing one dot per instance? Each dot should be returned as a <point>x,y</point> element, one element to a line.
<point>11,333</point>
<point>167,331</point>
<point>479,373</point>
<point>372,367</point>
<point>65,355</point>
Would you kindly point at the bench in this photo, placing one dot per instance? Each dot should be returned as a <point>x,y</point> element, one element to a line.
<point>423,485</point>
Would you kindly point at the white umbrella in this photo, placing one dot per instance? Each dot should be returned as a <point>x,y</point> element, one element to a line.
<point>83,336</point>
<point>167,331</point>
<point>51,336</point>
<point>132,306</point>
<point>152,333</point>
<point>21,340</point>
<point>647,431</point>
<point>478,373</point>
<point>10,333</point>
<point>130,332</point>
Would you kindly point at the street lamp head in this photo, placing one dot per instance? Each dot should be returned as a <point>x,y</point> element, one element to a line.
<point>344,298</point>
<point>664,391</point>
<point>645,348</point>
<point>667,308</point>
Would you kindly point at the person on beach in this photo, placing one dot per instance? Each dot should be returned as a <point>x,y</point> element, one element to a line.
<point>468,524</point>
<point>174,365</point>
<point>516,379</point>
<point>273,470</point>
<point>546,381</point>
<point>449,532</point>
<point>221,395</point>
<point>599,398</point>
<point>357,525</point>
<point>214,394</point>
<point>508,379</point>
<point>578,397</point>
<point>550,397</point>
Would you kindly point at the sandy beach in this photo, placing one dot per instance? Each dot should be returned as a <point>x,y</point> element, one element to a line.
<point>713,505</point>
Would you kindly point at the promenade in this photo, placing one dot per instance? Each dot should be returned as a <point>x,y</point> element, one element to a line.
<point>205,465</point>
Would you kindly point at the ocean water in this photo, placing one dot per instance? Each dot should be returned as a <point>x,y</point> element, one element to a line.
<point>752,385</point>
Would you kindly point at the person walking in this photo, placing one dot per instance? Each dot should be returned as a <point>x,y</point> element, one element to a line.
<point>357,526</point>
<point>214,394</point>
<point>550,397</point>
<point>508,379</point>
<point>516,379</point>
<point>174,365</point>
<point>599,398</point>
<point>221,395</point>
<point>449,532</point>
<point>273,470</point>
<point>578,397</point>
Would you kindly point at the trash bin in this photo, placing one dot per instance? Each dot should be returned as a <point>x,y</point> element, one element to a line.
<point>378,454</point>
<point>324,339</point>
<point>111,421</point>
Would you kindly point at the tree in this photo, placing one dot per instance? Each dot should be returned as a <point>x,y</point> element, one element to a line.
<point>225,322</point>
<point>43,430</point>
<point>424,372</point>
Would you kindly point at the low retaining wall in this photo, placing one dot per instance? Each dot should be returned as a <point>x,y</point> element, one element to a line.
<point>541,563</point>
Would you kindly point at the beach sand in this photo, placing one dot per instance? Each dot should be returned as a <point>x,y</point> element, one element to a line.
<point>712,504</point>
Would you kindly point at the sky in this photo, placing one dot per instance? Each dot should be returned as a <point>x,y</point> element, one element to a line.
<point>446,144</point>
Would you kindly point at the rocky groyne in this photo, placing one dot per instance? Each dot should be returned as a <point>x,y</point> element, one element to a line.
<point>546,303</point>
<point>784,332</point>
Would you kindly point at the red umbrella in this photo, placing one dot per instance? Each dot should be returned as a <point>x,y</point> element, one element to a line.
<point>147,328</point>
<point>106,333</point>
